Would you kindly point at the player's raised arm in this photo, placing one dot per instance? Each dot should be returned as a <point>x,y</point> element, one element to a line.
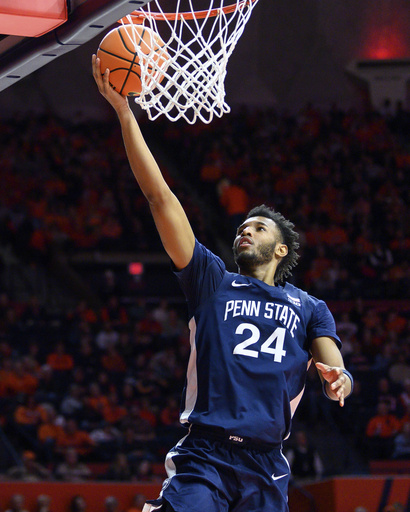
<point>171,221</point>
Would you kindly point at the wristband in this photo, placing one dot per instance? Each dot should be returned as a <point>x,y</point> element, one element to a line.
<point>348,374</point>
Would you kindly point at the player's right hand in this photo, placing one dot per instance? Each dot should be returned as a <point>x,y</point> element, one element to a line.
<point>115,99</point>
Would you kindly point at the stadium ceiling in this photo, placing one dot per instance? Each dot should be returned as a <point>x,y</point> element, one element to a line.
<point>21,56</point>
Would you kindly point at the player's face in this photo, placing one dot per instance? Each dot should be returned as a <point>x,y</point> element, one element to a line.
<point>255,242</point>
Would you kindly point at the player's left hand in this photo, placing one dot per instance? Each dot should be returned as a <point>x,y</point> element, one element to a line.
<point>337,379</point>
<point>117,101</point>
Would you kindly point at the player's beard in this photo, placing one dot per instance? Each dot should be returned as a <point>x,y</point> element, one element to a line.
<point>249,260</point>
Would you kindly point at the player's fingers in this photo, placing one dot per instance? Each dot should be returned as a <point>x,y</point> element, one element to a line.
<point>324,368</point>
<point>338,387</point>
<point>340,379</point>
<point>102,80</point>
<point>106,80</point>
<point>97,72</point>
<point>341,395</point>
<point>95,65</point>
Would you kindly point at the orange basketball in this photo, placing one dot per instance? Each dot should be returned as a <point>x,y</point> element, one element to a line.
<point>118,53</point>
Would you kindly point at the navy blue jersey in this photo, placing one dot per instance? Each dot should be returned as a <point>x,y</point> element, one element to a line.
<point>250,347</point>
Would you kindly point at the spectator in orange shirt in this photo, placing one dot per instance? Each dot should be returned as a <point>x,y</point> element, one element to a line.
<point>395,322</point>
<point>235,201</point>
<point>19,382</point>
<point>146,412</point>
<point>73,437</point>
<point>6,370</point>
<point>334,236</point>
<point>27,417</point>
<point>59,360</point>
<point>380,432</point>
<point>95,403</point>
<point>84,313</point>
<point>30,413</point>
<point>48,431</point>
<point>211,171</point>
<point>113,413</point>
<point>61,363</point>
<point>169,415</point>
<point>113,362</point>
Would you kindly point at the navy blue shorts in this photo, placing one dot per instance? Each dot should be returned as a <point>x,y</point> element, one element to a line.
<point>206,474</point>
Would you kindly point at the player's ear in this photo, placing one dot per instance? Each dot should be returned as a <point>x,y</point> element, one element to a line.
<point>281,250</point>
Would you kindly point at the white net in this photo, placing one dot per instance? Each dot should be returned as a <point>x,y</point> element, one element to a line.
<point>186,78</point>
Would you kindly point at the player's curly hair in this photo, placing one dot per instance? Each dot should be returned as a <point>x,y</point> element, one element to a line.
<point>289,237</point>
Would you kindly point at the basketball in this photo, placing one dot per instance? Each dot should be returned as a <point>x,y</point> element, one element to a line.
<point>118,51</point>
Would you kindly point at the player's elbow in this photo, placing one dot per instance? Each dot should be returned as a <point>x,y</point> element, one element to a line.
<point>158,197</point>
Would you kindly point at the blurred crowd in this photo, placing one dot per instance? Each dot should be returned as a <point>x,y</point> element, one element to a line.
<point>102,385</point>
<point>342,177</point>
<point>91,386</point>
<point>44,503</point>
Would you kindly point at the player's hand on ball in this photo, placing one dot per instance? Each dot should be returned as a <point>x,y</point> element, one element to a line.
<point>337,381</point>
<point>103,83</point>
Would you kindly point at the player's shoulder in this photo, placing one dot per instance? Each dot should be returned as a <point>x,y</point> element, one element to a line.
<point>299,297</point>
<point>200,251</point>
<point>202,259</point>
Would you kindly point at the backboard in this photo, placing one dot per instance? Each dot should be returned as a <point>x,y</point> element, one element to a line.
<point>20,56</point>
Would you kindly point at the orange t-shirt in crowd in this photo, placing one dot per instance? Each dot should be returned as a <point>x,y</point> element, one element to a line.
<point>97,403</point>
<point>234,199</point>
<point>149,416</point>
<point>60,362</point>
<point>48,431</point>
<point>396,324</point>
<point>20,384</point>
<point>114,413</point>
<point>383,426</point>
<point>79,440</point>
<point>28,415</point>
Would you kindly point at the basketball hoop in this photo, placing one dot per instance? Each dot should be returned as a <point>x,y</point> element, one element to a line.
<point>199,44</point>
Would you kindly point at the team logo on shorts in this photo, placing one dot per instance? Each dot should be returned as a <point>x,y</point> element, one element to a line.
<point>278,477</point>
<point>236,439</point>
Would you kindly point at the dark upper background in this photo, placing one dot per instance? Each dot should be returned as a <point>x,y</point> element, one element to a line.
<point>291,52</point>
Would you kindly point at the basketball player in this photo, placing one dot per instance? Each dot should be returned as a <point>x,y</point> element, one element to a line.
<point>252,341</point>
